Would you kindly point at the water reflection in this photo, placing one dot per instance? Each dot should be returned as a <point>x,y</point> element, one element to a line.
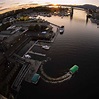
<point>86,19</point>
<point>71,13</point>
<point>61,33</point>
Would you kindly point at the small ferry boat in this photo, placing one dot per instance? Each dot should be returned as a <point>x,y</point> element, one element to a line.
<point>61,29</point>
<point>45,47</point>
<point>35,78</point>
<point>71,72</point>
<point>73,69</point>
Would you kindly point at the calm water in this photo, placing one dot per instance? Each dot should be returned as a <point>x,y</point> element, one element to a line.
<point>79,45</point>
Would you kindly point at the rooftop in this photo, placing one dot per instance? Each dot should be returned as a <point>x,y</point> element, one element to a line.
<point>8,32</point>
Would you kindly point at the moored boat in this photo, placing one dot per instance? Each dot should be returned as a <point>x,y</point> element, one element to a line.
<point>45,47</point>
<point>61,29</point>
<point>35,78</point>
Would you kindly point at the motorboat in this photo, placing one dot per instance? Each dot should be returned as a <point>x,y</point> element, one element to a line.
<point>61,29</point>
<point>45,47</point>
<point>27,56</point>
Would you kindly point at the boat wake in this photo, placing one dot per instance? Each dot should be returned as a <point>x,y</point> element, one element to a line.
<point>49,79</point>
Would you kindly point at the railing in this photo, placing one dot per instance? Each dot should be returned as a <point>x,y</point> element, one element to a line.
<point>17,82</point>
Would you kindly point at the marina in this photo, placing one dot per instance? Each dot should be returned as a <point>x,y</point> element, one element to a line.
<point>35,60</point>
<point>44,57</point>
<point>77,45</point>
<point>27,62</point>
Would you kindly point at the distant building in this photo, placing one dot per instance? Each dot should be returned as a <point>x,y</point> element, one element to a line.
<point>11,37</point>
<point>97,10</point>
<point>96,15</point>
<point>8,19</point>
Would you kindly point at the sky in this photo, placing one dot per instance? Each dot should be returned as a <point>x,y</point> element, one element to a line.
<point>14,4</point>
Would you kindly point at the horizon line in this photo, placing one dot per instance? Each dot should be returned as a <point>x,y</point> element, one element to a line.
<point>16,7</point>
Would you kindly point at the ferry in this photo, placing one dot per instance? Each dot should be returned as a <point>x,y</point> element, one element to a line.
<point>35,78</point>
<point>71,71</point>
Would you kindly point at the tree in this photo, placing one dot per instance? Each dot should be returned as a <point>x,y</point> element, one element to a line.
<point>31,28</point>
<point>43,27</point>
<point>37,27</point>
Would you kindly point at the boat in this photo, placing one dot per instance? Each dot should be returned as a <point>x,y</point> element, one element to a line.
<point>45,47</point>
<point>35,78</point>
<point>73,69</point>
<point>71,72</point>
<point>61,29</point>
<point>27,56</point>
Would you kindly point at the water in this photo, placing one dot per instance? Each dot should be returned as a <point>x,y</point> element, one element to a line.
<point>79,45</point>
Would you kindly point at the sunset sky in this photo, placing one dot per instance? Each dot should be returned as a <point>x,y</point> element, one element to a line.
<point>5,4</point>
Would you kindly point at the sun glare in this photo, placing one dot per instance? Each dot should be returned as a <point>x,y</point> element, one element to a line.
<point>54,4</point>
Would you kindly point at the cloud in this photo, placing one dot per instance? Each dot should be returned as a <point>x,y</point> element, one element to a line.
<point>17,3</point>
<point>11,0</point>
<point>4,9</point>
<point>0,7</point>
<point>1,3</point>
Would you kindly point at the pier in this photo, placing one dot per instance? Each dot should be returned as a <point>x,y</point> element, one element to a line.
<point>40,54</point>
<point>54,24</point>
<point>23,68</point>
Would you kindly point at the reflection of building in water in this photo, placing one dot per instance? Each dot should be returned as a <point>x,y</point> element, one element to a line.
<point>86,19</point>
<point>71,13</point>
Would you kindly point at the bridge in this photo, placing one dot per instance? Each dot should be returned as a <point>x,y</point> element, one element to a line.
<point>79,7</point>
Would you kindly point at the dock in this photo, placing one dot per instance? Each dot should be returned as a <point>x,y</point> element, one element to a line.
<point>40,54</point>
<point>54,24</point>
<point>23,68</point>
